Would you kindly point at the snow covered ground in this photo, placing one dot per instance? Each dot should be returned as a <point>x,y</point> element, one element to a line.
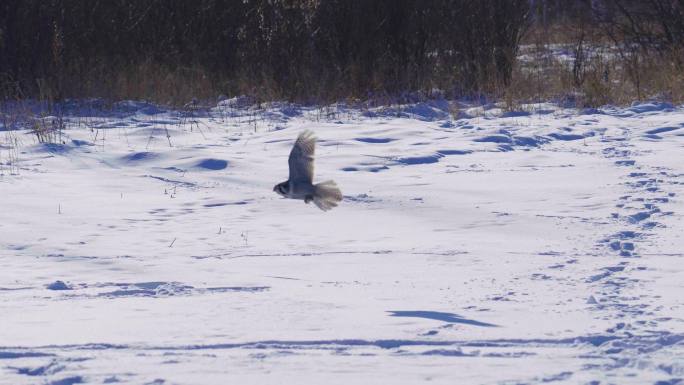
<point>499,248</point>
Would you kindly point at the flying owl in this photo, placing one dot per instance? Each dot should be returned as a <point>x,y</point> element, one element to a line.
<point>325,195</point>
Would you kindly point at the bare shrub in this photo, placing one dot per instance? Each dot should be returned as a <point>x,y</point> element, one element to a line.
<point>48,129</point>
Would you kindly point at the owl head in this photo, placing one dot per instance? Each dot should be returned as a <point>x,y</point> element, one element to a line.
<point>282,188</point>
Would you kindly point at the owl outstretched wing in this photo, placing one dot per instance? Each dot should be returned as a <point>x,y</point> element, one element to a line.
<point>301,159</point>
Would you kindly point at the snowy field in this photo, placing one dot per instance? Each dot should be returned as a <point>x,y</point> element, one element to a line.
<point>149,248</point>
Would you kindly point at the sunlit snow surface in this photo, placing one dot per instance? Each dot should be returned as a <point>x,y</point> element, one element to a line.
<point>499,248</point>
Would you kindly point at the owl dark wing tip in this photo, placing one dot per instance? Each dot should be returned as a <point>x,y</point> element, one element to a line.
<point>307,142</point>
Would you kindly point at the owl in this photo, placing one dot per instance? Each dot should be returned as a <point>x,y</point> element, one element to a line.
<point>325,195</point>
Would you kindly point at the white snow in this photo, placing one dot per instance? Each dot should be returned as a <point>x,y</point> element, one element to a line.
<point>500,248</point>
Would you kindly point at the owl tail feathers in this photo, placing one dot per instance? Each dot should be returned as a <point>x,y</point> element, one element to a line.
<point>327,195</point>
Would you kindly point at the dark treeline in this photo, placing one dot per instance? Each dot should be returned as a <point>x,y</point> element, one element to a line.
<point>307,49</point>
<point>304,50</point>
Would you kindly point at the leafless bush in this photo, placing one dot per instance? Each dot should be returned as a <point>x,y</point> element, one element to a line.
<point>649,39</point>
<point>591,53</point>
<point>47,130</point>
